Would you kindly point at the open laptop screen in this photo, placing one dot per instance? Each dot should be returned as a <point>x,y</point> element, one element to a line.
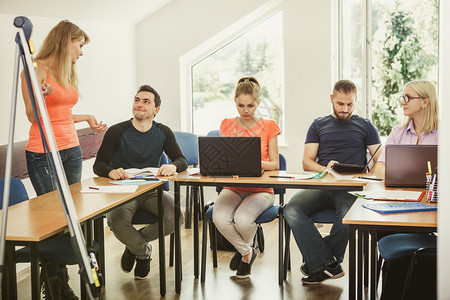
<point>406,165</point>
<point>226,156</point>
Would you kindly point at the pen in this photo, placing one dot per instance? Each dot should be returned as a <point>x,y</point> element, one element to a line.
<point>225,176</point>
<point>94,188</point>
<point>429,167</point>
<point>370,178</point>
<point>277,176</point>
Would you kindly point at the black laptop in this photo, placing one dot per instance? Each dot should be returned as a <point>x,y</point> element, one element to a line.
<point>230,156</point>
<point>406,165</point>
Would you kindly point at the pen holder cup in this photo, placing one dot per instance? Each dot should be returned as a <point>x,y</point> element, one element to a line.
<point>432,188</point>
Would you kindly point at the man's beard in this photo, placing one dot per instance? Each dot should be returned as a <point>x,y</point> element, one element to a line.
<point>342,119</point>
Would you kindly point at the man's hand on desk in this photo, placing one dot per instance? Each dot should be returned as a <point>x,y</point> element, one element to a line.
<point>117,174</point>
<point>167,170</point>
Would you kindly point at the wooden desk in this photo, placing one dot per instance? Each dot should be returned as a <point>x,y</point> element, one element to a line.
<point>328,182</point>
<point>40,218</point>
<point>366,221</point>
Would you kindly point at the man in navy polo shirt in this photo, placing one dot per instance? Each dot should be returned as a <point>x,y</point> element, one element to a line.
<point>340,137</point>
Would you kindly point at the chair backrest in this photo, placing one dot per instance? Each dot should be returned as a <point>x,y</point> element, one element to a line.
<point>214,133</point>
<point>164,160</point>
<point>282,167</point>
<point>17,192</point>
<point>188,143</point>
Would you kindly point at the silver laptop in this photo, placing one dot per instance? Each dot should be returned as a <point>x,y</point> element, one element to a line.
<point>406,165</point>
<point>230,156</point>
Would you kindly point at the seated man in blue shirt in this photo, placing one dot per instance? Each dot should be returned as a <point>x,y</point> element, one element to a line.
<point>139,143</point>
<point>340,137</point>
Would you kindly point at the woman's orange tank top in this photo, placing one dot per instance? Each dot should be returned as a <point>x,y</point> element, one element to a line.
<point>59,106</point>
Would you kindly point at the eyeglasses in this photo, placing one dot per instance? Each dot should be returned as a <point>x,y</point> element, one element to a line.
<point>407,98</point>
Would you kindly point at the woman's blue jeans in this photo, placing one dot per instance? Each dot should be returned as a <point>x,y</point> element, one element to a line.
<point>319,252</point>
<point>39,166</point>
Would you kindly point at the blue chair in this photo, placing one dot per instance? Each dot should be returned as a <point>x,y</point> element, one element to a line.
<point>54,249</point>
<point>415,248</point>
<point>276,211</point>
<point>188,143</point>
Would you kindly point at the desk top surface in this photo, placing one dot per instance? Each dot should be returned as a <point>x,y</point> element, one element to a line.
<point>328,180</point>
<point>43,216</point>
<point>362,216</point>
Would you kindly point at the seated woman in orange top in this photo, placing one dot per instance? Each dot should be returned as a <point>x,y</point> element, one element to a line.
<point>236,209</point>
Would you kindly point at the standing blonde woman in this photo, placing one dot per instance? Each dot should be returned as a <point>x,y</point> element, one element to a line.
<point>58,80</point>
<point>236,209</point>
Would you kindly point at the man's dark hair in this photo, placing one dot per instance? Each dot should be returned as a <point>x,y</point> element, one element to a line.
<point>344,86</point>
<point>147,88</point>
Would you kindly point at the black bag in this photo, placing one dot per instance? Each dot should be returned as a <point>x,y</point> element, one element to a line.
<point>224,244</point>
<point>422,284</point>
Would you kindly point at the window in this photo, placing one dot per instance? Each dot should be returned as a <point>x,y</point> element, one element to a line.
<point>258,53</point>
<point>383,45</point>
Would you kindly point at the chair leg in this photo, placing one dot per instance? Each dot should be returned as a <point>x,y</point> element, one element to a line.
<point>204,242</point>
<point>172,247</point>
<point>214,243</point>
<point>187,219</point>
<point>287,252</point>
<point>202,203</point>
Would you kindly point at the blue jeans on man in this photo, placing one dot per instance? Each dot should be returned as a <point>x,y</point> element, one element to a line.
<point>319,252</point>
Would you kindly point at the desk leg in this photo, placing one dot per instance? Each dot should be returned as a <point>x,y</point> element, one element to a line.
<point>373,264</point>
<point>196,213</point>
<point>366,259</point>
<point>34,268</point>
<point>359,285</point>
<point>9,290</point>
<point>177,239</point>
<point>352,262</point>
<point>162,248</point>
<point>280,248</point>
<point>99,236</point>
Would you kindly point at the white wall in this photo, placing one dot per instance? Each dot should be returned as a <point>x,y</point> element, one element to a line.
<point>180,26</point>
<point>444,149</point>
<point>106,71</point>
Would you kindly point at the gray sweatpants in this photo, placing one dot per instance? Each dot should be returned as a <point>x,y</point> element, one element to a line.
<point>119,221</point>
<point>234,215</point>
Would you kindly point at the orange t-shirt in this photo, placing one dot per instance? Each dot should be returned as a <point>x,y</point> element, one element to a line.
<point>265,129</point>
<point>59,106</point>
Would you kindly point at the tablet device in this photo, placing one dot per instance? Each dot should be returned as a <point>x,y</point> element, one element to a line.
<point>350,168</point>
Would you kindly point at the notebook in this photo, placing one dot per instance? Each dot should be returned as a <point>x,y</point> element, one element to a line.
<point>230,156</point>
<point>399,207</point>
<point>406,165</point>
<point>350,168</point>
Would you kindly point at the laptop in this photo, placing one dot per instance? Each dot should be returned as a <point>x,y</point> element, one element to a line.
<point>406,165</point>
<point>350,168</point>
<point>230,156</point>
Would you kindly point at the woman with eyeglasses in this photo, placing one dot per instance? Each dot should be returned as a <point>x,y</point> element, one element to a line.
<point>420,106</point>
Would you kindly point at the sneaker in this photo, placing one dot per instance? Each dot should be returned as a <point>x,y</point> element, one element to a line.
<point>244,269</point>
<point>328,273</point>
<point>304,269</point>
<point>142,268</point>
<point>127,261</point>
<point>234,263</point>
